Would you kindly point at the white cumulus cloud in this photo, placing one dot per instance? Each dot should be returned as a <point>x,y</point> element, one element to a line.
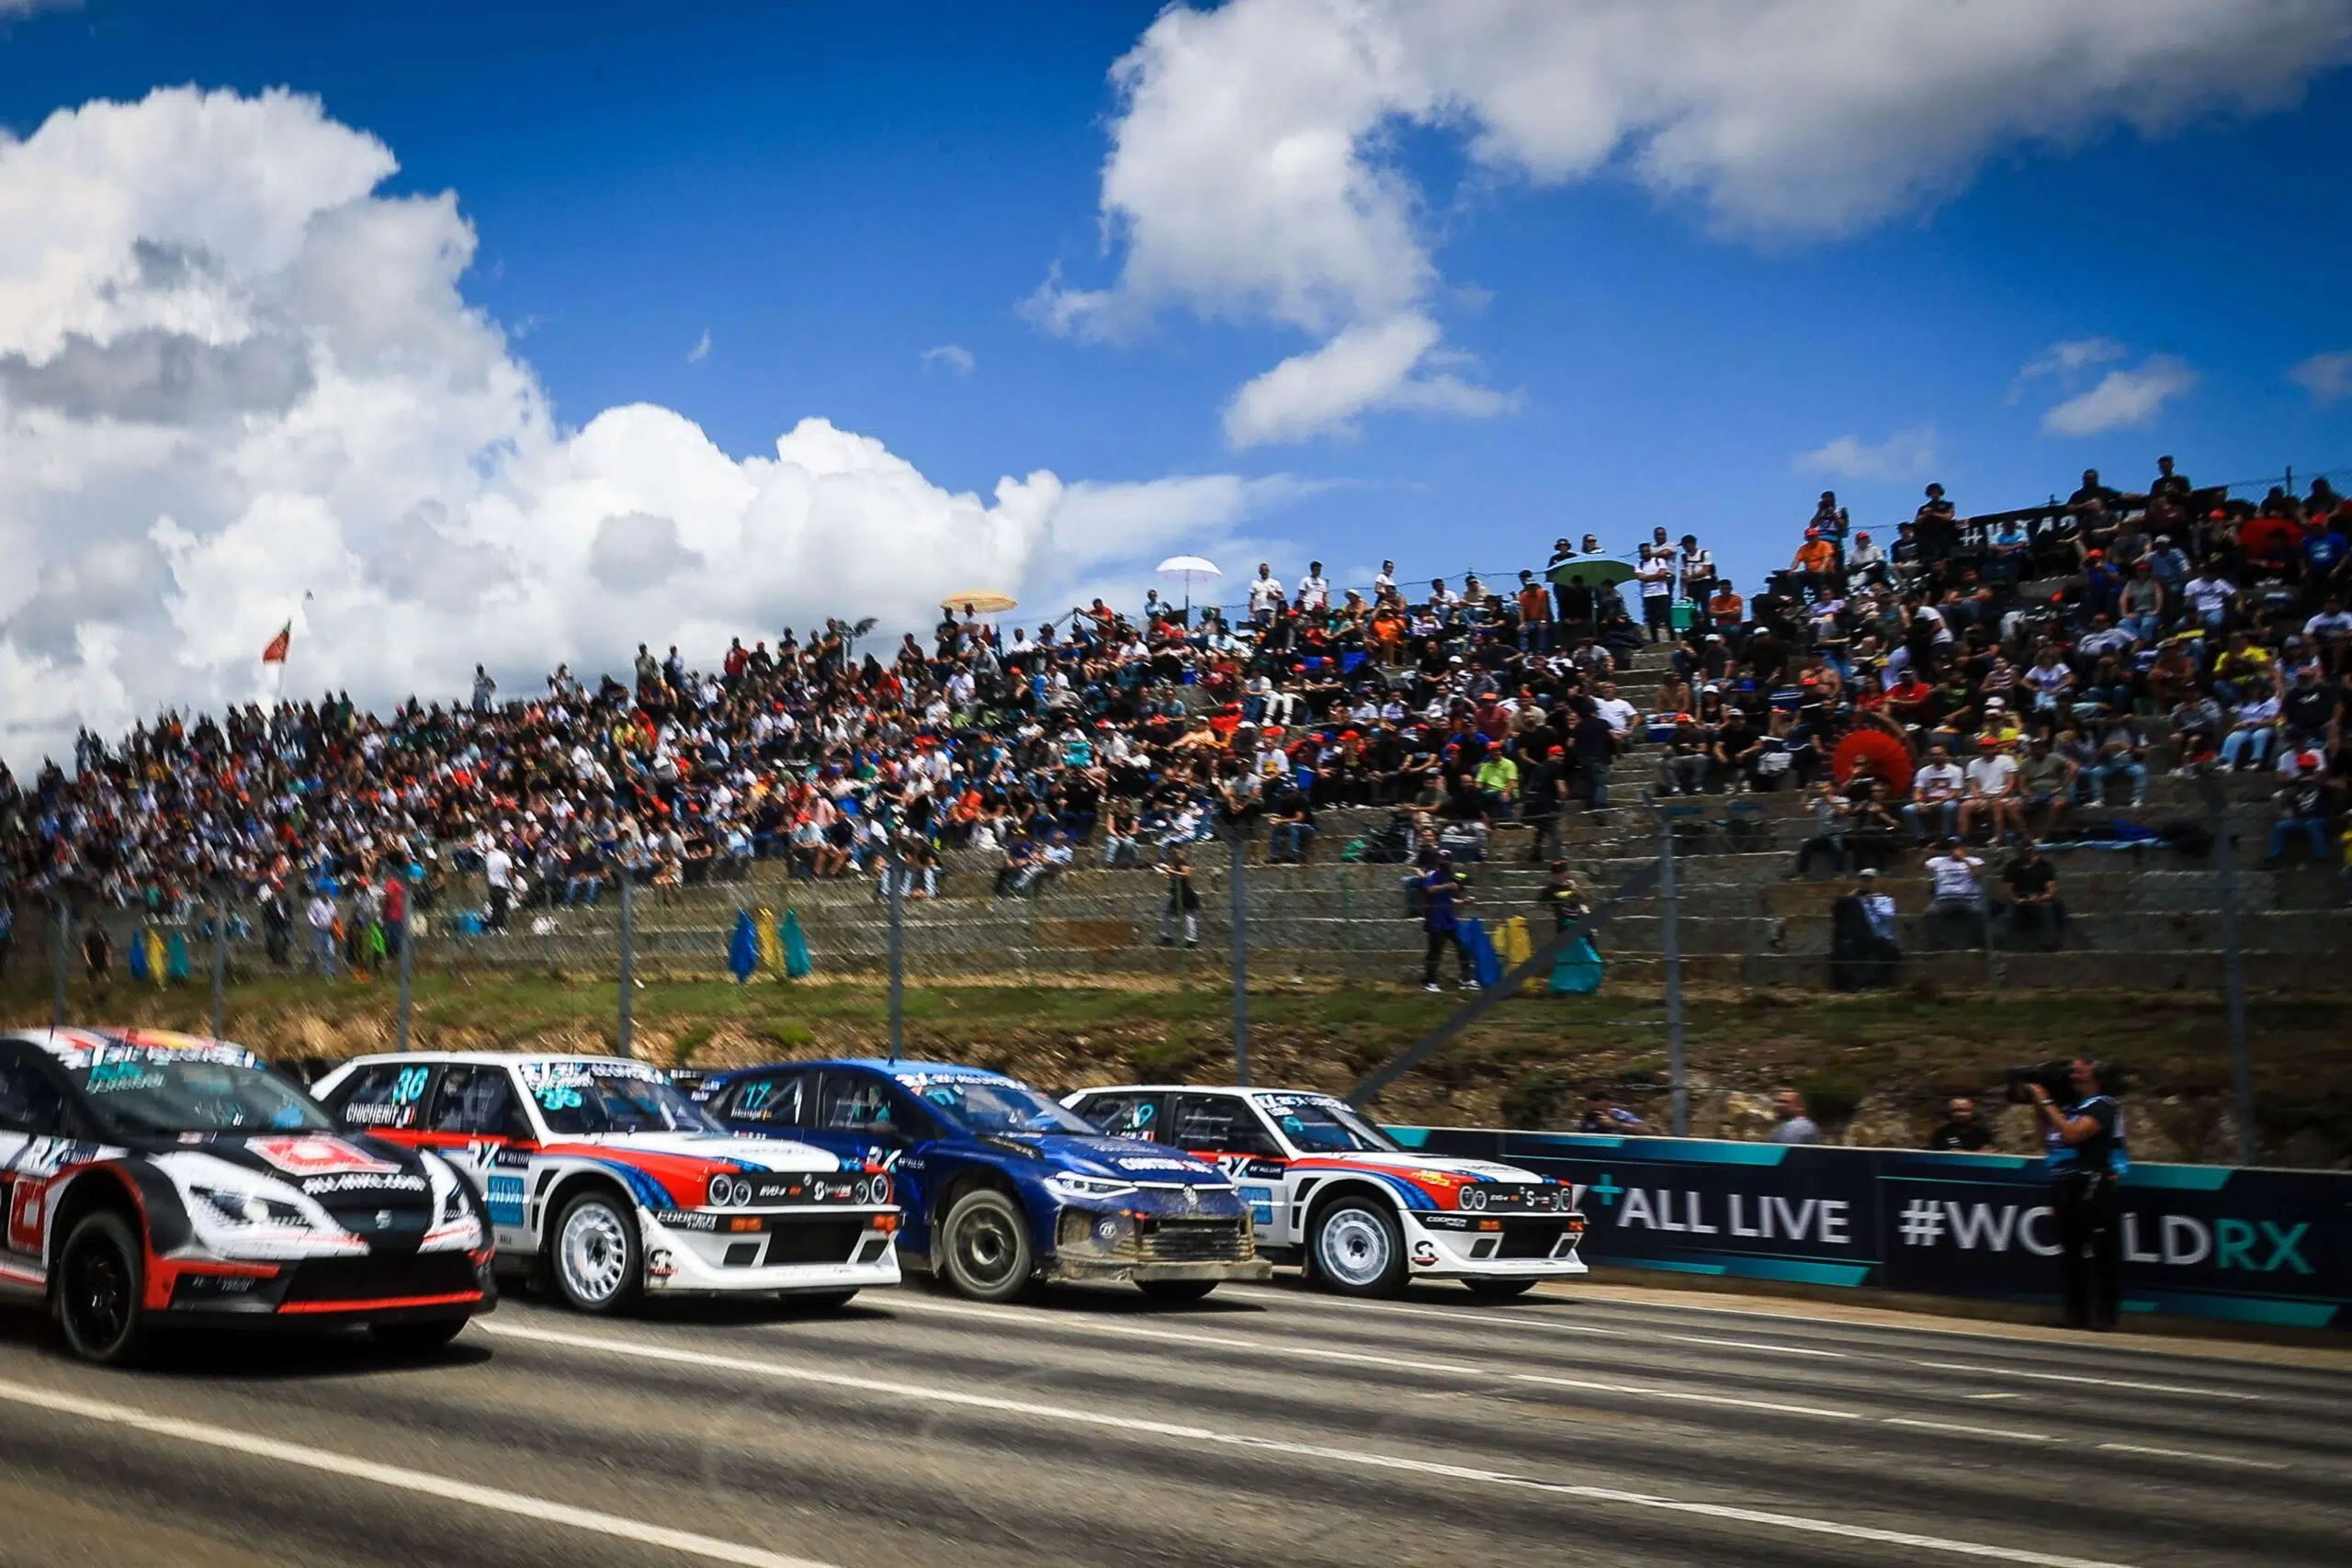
<point>2326,377</point>
<point>232,373</point>
<point>952,357</point>
<point>701,350</point>
<point>1904,454</point>
<point>2122,398</point>
<point>1255,171</point>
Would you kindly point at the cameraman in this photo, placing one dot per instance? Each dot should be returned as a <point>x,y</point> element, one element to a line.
<point>2087,1160</point>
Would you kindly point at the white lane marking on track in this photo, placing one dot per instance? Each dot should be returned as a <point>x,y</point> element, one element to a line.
<point>1755,1345</point>
<point>1363,1458</point>
<point>522,1505</point>
<point>1972,1431</point>
<point>1026,1319</point>
<point>2101,1382</point>
<point>1317,1353</point>
<point>2184,1453</point>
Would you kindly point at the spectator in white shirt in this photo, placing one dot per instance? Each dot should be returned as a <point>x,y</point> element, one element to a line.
<point>1656,576</point>
<point>498,870</point>
<point>1616,712</point>
<point>1955,892</point>
<point>1992,790</point>
<point>1313,592</point>
<point>321,918</point>
<point>1266,596</point>
<point>1935,788</point>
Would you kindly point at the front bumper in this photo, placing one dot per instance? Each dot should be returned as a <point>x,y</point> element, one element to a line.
<point>1513,1247</point>
<point>1144,1246</point>
<point>323,1291</point>
<point>833,1248</point>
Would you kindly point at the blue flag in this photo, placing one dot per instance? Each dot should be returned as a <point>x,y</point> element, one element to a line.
<point>743,949</point>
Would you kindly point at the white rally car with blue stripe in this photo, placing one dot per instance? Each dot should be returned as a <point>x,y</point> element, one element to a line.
<point>1330,1191</point>
<point>600,1174</point>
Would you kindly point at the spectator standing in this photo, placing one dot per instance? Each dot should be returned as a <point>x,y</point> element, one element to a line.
<point>1961,1133</point>
<point>1656,577</point>
<point>7,932</point>
<point>2085,1158</point>
<point>1863,949</point>
<point>1314,590</point>
<point>1266,596</point>
<point>1795,1127</point>
<point>498,871</point>
<point>395,912</point>
<point>1534,616</point>
<point>319,917</point>
<point>97,956</point>
<point>1184,904</point>
<point>1442,895</point>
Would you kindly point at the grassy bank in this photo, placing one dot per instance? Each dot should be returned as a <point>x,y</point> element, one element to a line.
<point>1877,1066</point>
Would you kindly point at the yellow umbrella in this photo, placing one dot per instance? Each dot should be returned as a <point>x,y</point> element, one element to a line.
<point>986,602</point>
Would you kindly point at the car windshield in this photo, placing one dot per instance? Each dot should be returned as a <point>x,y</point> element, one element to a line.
<point>156,1094</point>
<point>994,1105</point>
<point>578,1100</point>
<point>1324,1126</point>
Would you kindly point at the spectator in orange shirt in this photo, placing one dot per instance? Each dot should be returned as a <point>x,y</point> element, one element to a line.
<point>1534,616</point>
<point>1726,609</point>
<point>1816,559</point>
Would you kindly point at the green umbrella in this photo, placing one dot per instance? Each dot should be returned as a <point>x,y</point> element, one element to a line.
<point>1594,570</point>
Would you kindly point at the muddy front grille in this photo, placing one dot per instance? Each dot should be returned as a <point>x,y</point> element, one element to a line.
<point>1195,1241</point>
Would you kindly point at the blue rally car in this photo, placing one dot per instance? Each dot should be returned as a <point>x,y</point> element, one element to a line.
<point>1003,1187</point>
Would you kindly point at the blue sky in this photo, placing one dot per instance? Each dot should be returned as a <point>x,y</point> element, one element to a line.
<point>829,190</point>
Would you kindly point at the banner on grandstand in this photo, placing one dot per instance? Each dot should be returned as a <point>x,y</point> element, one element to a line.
<point>2204,1241</point>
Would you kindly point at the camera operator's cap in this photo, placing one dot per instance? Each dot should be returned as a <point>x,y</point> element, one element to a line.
<point>1955,842</point>
<point>1867,874</point>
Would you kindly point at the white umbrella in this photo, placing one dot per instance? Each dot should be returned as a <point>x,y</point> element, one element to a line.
<point>1190,568</point>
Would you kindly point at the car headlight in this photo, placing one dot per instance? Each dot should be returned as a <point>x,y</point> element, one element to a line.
<point>1471,1198</point>
<point>729,1193</point>
<point>1074,1188</point>
<point>250,1209</point>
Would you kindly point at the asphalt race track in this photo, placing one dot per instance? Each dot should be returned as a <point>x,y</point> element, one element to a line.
<point>1268,1426</point>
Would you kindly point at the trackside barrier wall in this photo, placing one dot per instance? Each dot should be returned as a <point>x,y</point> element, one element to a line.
<point>2253,1245</point>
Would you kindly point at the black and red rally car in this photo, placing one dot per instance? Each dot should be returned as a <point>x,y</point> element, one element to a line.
<point>152,1180</point>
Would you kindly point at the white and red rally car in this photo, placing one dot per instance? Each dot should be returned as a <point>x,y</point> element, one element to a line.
<point>1332,1192</point>
<point>602,1173</point>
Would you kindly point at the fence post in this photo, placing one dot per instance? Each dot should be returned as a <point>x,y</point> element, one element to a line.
<point>1670,945</point>
<point>2233,968</point>
<point>1240,895</point>
<point>408,939</point>
<point>894,869</point>
<point>628,974</point>
<point>57,962</point>
<point>219,955</point>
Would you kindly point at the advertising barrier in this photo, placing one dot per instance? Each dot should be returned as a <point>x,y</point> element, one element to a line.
<point>2271,1246</point>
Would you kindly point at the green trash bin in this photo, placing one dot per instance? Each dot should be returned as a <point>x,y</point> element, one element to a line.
<point>1686,614</point>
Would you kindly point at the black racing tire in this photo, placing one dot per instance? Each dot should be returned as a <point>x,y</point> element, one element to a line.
<point>99,1292</point>
<point>416,1339</point>
<point>819,1301</point>
<point>984,1250</point>
<point>1176,1291</point>
<point>595,1258</point>
<point>1498,1290</point>
<point>1357,1248</point>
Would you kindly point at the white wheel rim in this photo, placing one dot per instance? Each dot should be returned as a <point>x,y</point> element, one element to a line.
<point>1354,1248</point>
<point>594,1250</point>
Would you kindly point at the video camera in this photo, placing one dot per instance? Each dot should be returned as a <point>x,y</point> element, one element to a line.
<point>2057,1078</point>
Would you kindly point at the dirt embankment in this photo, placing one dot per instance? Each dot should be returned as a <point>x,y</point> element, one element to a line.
<point>1876,1069</point>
